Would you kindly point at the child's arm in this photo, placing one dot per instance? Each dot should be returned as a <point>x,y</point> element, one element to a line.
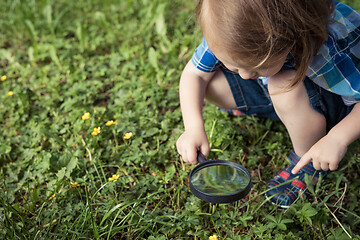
<point>329,151</point>
<point>193,83</point>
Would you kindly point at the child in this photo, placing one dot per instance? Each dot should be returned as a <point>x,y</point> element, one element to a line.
<point>295,60</point>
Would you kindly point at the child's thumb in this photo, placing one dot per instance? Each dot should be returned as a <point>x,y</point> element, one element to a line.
<point>205,149</point>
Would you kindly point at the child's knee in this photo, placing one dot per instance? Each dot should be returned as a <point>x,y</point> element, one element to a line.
<point>219,93</point>
<point>283,97</point>
<point>279,83</point>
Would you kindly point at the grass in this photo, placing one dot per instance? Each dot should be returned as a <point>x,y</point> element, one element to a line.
<point>121,61</point>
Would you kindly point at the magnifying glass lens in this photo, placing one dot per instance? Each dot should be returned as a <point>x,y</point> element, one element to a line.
<point>220,180</point>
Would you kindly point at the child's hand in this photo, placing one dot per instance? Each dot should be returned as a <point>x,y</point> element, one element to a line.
<point>190,142</point>
<point>325,154</point>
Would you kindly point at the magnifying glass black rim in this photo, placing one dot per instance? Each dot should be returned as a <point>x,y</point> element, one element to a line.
<point>228,198</point>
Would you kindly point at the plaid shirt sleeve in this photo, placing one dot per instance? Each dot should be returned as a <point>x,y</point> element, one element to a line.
<point>336,67</point>
<point>204,59</point>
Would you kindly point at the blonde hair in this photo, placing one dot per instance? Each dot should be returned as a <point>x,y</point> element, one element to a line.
<point>259,30</point>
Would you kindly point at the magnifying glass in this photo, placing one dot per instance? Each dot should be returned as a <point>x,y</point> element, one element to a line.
<point>219,181</point>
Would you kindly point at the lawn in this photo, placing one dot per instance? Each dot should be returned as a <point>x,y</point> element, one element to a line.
<point>89,119</point>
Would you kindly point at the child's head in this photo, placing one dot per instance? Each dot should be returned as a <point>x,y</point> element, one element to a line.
<point>260,32</point>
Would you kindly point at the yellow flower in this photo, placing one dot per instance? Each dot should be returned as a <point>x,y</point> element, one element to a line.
<point>111,122</point>
<point>52,196</point>
<point>213,237</point>
<point>114,178</point>
<point>10,93</point>
<point>85,116</point>
<point>127,135</point>
<point>74,184</point>
<point>3,78</point>
<point>96,131</point>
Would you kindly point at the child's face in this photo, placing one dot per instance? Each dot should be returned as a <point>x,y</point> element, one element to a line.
<point>268,69</point>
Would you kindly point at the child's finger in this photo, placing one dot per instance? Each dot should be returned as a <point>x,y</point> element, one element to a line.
<point>302,162</point>
<point>333,166</point>
<point>192,155</point>
<point>204,149</point>
<point>325,166</point>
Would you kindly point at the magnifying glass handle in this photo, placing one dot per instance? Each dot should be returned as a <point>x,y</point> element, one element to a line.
<point>200,157</point>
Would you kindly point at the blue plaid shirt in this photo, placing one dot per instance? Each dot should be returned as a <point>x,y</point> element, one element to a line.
<point>336,66</point>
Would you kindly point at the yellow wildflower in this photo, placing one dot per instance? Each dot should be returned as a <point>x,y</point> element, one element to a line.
<point>10,93</point>
<point>85,116</point>
<point>96,131</point>
<point>127,135</point>
<point>52,196</point>
<point>114,178</point>
<point>3,78</point>
<point>111,122</point>
<point>213,237</point>
<point>74,184</point>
